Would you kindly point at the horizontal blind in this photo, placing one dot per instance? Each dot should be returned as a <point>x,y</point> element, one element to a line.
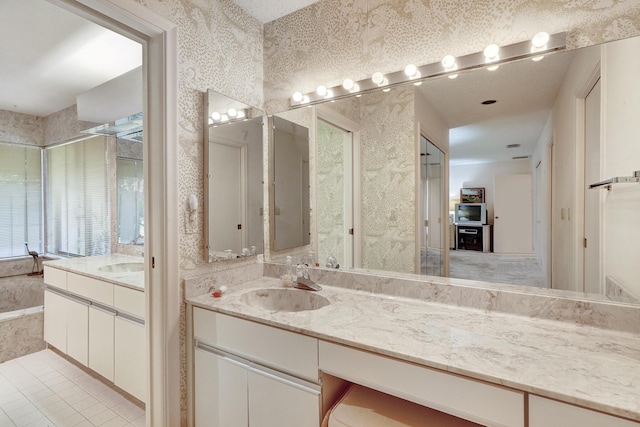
<point>20,200</point>
<point>78,198</point>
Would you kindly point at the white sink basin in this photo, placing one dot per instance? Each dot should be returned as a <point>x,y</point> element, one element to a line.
<point>122,267</point>
<point>285,300</point>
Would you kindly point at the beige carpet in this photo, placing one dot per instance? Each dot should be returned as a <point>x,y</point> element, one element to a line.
<point>501,268</point>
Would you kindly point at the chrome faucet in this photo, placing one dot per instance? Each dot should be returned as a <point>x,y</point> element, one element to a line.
<point>305,283</point>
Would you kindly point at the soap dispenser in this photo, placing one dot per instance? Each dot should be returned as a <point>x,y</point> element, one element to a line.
<point>289,276</point>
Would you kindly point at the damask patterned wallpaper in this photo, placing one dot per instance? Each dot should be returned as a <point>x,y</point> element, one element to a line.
<point>335,39</point>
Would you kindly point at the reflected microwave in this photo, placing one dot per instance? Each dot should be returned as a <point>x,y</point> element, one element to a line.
<point>471,213</point>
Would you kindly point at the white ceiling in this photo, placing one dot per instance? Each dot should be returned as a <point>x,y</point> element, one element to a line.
<point>524,91</point>
<point>268,10</point>
<point>48,56</point>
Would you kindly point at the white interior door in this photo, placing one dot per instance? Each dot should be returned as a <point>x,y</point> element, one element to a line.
<point>592,201</point>
<point>513,214</point>
<point>225,198</point>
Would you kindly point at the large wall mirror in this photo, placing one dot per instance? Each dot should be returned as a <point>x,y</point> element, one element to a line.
<point>566,121</point>
<point>233,178</point>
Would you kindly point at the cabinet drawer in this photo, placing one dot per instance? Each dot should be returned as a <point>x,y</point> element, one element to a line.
<point>550,413</point>
<point>90,288</point>
<point>285,351</point>
<point>472,400</point>
<point>55,277</point>
<point>130,301</point>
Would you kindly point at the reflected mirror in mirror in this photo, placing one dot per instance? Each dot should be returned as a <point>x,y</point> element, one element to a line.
<point>530,131</point>
<point>233,178</point>
<point>130,192</point>
<point>289,205</point>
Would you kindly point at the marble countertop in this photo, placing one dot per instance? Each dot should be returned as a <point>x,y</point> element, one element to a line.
<point>89,266</point>
<point>583,365</point>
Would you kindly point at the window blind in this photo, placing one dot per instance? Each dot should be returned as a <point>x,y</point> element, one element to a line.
<point>20,200</point>
<point>78,198</point>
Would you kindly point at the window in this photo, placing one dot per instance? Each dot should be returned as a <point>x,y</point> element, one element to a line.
<point>20,200</point>
<point>78,198</point>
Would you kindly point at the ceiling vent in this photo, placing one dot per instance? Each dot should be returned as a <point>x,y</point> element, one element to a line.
<point>513,145</point>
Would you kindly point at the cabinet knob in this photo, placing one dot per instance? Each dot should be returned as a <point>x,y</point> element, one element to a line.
<point>497,217</point>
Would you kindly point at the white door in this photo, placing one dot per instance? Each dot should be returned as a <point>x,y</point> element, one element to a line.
<point>78,331</point>
<point>225,184</point>
<point>101,330</point>
<point>220,391</point>
<point>130,358</point>
<point>275,402</point>
<point>592,201</point>
<point>55,320</point>
<point>513,214</point>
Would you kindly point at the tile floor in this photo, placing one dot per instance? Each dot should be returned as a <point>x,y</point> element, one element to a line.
<point>45,390</point>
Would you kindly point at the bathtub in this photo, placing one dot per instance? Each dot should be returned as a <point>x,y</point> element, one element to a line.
<point>21,311</point>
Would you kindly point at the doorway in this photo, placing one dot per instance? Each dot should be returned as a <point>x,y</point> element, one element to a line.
<point>431,236</point>
<point>335,198</point>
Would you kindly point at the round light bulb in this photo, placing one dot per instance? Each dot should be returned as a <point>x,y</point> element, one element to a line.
<point>241,114</point>
<point>540,40</point>
<point>348,84</point>
<point>321,90</point>
<point>385,82</point>
<point>491,51</point>
<point>355,88</point>
<point>410,70</point>
<point>377,78</point>
<point>297,96</point>
<point>215,116</point>
<point>329,94</point>
<point>232,112</point>
<point>448,61</point>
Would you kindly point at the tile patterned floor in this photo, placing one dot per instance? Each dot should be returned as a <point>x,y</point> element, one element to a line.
<point>45,390</point>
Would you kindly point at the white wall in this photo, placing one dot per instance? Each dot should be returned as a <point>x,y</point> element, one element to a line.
<point>621,127</point>
<point>481,175</point>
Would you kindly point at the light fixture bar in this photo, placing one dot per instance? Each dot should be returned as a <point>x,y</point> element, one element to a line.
<point>472,61</point>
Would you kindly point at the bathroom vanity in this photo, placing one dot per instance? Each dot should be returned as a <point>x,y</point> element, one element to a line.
<point>264,356</point>
<point>94,312</point>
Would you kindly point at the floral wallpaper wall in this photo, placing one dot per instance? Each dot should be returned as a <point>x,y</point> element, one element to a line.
<point>335,39</point>
<point>220,47</point>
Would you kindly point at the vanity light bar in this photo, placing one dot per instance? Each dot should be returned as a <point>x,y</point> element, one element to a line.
<point>230,116</point>
<point>416,75</point>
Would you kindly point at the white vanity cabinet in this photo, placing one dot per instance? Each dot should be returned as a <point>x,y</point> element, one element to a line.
<point>101,340</point>
<point>100,325</point>
<point>545,412</point>
<point>247,374</point>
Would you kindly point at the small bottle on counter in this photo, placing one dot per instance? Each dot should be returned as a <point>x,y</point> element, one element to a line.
<point>289,276</point>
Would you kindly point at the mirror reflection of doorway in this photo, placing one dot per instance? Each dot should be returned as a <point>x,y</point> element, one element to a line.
<point>432,191</point>
<point>335,194</point>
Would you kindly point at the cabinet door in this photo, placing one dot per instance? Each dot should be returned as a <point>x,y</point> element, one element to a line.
<point>550,413</point>
<point>220,388</point>
<point>78,330</point>
<point>274,402</point>
<point>130,368</point>
<point>55,320</point>
<point>101,336</point>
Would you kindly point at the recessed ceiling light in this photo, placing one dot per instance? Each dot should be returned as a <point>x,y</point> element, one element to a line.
<point>489,102</point>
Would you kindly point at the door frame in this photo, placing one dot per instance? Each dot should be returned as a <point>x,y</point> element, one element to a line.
<point>159,38</point>
<point>578,209</point>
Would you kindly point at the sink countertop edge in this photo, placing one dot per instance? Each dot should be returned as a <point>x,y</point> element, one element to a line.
<point>503,339</point>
